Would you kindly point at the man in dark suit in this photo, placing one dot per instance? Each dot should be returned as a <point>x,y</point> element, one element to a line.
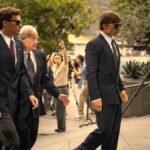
<point>28,119</point>
<point>105,86</point>
<point>13,79</point>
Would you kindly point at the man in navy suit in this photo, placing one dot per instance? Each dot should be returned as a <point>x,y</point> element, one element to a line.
<point>13,79</point>
<point>105,86</point>
<point>28,119</point>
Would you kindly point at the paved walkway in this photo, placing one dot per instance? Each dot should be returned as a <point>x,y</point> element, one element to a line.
<point>135,132</point>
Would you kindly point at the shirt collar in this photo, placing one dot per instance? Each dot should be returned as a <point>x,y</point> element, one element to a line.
<point>7,39</point>
<point>107,38</point>
<point>25,53</point>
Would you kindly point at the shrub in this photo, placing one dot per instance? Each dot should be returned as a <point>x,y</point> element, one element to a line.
<point>145,69</point>
<point>132,69</point>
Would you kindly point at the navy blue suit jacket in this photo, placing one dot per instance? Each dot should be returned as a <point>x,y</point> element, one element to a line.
<point>41,81</point>
<point>102,72</point>
<point>13,79</point>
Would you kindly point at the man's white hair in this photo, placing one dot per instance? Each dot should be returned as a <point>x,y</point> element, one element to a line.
<point>26,31</point>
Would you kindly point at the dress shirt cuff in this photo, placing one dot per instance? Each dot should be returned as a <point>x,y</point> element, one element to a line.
<point>122,91</point>
<point>59,96</point>
<point>96,100</point>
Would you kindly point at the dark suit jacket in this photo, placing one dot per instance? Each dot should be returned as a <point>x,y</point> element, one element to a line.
<point>41,81</point>
<point>102,72</point>
<point>13,79</point>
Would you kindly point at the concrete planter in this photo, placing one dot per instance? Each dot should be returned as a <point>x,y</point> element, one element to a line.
<point>141,104</point>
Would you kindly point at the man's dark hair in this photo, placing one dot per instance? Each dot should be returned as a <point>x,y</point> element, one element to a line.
<point>81,58</point>
<point>109,17</point>
<point>7,13</point>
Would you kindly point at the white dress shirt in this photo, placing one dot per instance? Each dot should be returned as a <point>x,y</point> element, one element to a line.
<point>109,40</point>
<point>7,40</point>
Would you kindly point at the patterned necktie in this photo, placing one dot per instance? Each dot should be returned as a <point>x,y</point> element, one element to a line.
<point>114,51</point>
<point>30,67</point>
<point>12,50</point>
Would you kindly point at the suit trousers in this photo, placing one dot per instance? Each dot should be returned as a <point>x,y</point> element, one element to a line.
<point>61,110</point>
<point>41,106</point>
<point>47,100</point>
<point>9,139</point>
<point>28,129</point>
<point>108,122</point>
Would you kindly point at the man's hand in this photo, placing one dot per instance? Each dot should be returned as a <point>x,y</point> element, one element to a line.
<point>124,96</point>
<point>97,105</point>
<point>34,101</point>
<point>64,99</point>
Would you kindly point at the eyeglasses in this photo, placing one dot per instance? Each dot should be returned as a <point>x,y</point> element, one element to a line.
<point>33,38</point>
<point>18,22</point>
<point>116,25</point>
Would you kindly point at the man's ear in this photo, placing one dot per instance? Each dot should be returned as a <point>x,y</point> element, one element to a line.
<point>5,23</point>
<point>105,26</point>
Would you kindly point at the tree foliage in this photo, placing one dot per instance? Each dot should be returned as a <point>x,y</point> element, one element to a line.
<point>135,16</point>
<point>49,17</point>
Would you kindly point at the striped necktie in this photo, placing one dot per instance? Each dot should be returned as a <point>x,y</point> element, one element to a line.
<point>30,67</point>
<point>114,51</point>
<point>12,50</point>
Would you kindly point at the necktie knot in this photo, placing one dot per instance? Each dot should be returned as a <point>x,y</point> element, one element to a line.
<point>11,43</point>
<point>112,41</point>
<point>28,54</point>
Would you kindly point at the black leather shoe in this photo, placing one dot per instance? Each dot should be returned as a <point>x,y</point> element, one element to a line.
<point>42,113</point>
<point>60,130</point>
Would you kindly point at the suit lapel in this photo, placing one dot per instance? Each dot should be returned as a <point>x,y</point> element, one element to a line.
<point>118,52</point>
<point>37,58</point>
<point>110,57</point>
<point>6,51</point>
<point>7,60</point>
<point>19,56</point>
<point>3,43</point>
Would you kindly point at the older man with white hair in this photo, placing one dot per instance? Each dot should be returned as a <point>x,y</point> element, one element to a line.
<point>35,62</point>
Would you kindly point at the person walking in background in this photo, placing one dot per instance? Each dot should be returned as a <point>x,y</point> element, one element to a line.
<point>77,64</point>
<point>60,73</point>
<point>84,95</point>
<point>36,65</point>
<point>13,79</point>
<point>106,89</point>
<point>78,68</point>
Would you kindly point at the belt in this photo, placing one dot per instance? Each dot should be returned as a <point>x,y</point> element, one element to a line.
<point>62,86</point>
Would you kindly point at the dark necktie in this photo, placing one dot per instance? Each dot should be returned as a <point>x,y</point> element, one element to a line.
<point>30,67</point>
<point>114,51</point>
<point>12,50</point>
